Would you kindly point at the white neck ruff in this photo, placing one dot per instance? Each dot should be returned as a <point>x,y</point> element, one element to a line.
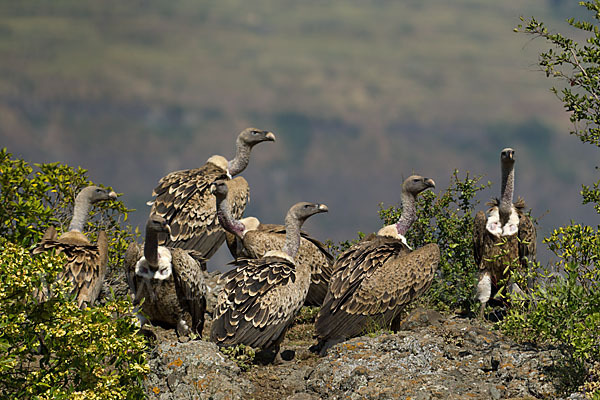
<point>391,231</point>
<point>165,268</point>
<point>493,222</point>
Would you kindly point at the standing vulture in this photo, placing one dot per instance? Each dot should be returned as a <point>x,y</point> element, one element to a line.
<point>261,297</point>
<point>505,237</point>
<point>184,200</point>
<point>249,238</point>
<point>374,279</point>
<point>168,280</point>
<point>86,265</point>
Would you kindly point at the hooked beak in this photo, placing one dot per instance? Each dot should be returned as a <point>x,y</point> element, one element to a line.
<point>323,208</point>
<point>112,195</point>
<point>270,136</point>
<point>430,182</point>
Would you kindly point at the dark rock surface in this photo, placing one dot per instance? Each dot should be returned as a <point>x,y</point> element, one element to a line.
<point>437,358</point>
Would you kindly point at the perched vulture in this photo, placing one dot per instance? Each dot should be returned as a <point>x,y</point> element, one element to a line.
<point>169,281</point>
<point>261,297</point>
<point>184,200</point>
<point>506,236</point>
<point>374,279</point>
<point>248,238</point>
<point>86,265</point>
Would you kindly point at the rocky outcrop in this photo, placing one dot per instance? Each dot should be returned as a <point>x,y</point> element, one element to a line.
<point>192,370</point>
<point>433,357</point>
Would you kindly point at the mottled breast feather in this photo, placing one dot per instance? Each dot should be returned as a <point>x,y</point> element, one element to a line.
<point>183,198</point>
<point>86,262</point>
<point>259,300</point>
<point>371,283</point>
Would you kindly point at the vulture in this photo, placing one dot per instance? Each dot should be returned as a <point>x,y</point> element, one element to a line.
<point>184,200</point>
<point>86,261</point>
<point>374,279</point>
<point>248,238</point>
<point>261,297</point>
<point>506,236</point>
<point>168,280</point>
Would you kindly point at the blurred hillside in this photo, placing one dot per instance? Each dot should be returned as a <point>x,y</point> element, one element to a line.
<point>360,94</point>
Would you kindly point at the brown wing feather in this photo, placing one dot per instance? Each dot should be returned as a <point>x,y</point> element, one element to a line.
<point>84,268</point>
<point>183,198</point>
<point>312,253</point>
<point>479,229</point>
<point>50,233</point>
<point>527,235</point>
<point>130,259</point>
<point>372,282</point>
<point>190,287</point>
<point>248,312</point>
<point>397,282</point>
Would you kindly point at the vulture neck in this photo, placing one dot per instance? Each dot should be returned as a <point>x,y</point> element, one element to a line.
<point>409,213</point>
<point>227,221</point>
<point>242,157</point>
<point>292,235</point>
<point>80,212</point>
<point>508,186</point>
<point>151,248</point>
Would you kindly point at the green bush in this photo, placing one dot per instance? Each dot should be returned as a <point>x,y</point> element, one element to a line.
<point>55,350</point>
<point>563,307</point>
<point>447,219</point>
<point>31,199</point>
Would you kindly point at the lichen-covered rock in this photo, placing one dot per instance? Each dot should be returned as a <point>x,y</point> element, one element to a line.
<point>451,359</point>
<point>192,370</point>
<point>434,357</point>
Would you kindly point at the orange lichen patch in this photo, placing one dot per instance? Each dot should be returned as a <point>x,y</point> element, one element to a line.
<point>353,346</point>
<point>471,395</point>
<point>176,363</point>
<point>507,365</point>
<point>156,390</point>
<point>201,384</point>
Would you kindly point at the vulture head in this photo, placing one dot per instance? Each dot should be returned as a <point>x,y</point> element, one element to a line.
<point>507,156</point>
<point>219,189</point>
<point>94,194</point>
<point>415,184</point>
<point>157,224</point>
<point>301,211</point>
<point>253,136</point>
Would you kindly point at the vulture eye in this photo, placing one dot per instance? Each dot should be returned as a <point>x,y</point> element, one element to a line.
<point>416,180</point>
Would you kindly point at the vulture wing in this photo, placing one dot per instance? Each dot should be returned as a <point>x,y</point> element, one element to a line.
<point>183,198</point>
<point>190,287</point>
<point>255,307</point>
